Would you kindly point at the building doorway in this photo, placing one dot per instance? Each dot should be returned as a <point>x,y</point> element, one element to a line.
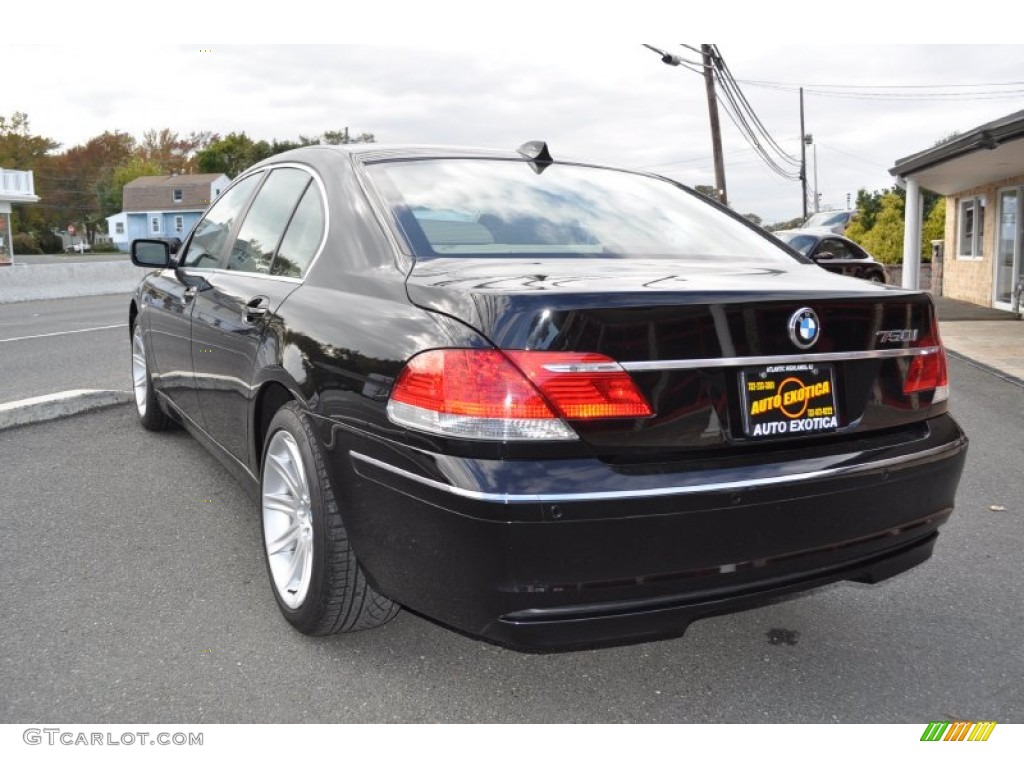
<point>1009,237</point>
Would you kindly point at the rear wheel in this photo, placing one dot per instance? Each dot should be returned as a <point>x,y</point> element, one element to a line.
<point>319,585</point>
<point>150,414</point>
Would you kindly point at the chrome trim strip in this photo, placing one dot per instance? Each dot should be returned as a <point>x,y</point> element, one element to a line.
<point>200,271</point>
<point>642,493</point>
<point>818,357</point>
<point>582,367</point>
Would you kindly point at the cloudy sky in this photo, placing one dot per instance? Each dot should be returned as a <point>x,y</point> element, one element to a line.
<point>613,103</point>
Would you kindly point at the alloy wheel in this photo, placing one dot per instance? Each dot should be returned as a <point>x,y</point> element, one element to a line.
<point>139,373</point>
<point>287,519</point>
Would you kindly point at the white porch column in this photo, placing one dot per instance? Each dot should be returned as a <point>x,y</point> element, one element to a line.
<point>912,237</point>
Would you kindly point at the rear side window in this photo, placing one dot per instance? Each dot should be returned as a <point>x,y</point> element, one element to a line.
<point>206,245</point>
<point>483,207</point>
<point>302,240</point>
<point>264,225</point>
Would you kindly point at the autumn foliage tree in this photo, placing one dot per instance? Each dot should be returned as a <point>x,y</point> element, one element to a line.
<point>84,184</point>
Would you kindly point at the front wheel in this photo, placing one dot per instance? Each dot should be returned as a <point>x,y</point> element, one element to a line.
<point>150,415</point>
<point>319,585</point>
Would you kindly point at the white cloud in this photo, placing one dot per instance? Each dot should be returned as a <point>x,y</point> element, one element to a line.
<point>611,103</point>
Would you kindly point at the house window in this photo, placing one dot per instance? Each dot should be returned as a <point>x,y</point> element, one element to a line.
<point>177,195</point>
<point>971,224</point>
<point>154,224</point>
<point>118,227</point>
<point>179,224</point>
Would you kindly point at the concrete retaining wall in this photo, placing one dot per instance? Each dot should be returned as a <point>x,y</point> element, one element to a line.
<point>61,281</point>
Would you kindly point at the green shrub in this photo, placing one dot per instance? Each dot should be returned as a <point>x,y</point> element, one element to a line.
<point>25,243</point>
<point>49,242</point>
<point>104,248</point>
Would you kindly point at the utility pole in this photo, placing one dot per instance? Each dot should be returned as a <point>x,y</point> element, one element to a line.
<point>803,154</point>
<point>816,196</point>
<point>716,130</point>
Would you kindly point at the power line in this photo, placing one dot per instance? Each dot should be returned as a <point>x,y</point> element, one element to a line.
<point>881,96</point>
<point>851,86</point>
<point>734,86</point>
<point>743,116</point>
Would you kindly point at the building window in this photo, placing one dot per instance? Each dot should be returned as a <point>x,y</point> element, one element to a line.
<point>154,224</point>
<point>118,227</point>
<point>971,228</point>
<point>179,224</point>
<point>177,195</point>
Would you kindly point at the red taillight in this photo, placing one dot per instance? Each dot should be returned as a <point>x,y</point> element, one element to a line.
<point>928,371</point>
<point>491,395</point>
<point>583,385</point>
<point>469,382</point>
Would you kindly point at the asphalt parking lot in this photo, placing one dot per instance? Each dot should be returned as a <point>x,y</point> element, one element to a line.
<point>136,593</point>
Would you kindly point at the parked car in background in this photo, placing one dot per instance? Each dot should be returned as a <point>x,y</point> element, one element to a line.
<point>82,247</point>
<point>552,404</point>
<point>834,221</point>
<point>835,253</point>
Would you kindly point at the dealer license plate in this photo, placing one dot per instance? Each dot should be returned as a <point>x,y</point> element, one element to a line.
<point>788,400</point>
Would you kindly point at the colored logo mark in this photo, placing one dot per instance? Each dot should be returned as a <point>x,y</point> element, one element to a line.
<point>804,328</point>
<point>958,731</point>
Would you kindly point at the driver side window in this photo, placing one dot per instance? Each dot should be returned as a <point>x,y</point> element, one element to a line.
<point>207,243</point>
<point>837,248</point>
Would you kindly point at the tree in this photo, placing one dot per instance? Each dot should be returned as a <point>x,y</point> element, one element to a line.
<point>173,153</point>
<point>79,185</point>
<point>934,227</point>
<point>19,148</point>
<point>869,209</point>
<point>232,154</point>
<point>885,239</point>
<point>706,190</point>
<point>342,137</point>
<point>130,171</point>
<point>790,224</point>
<point>754,218</point>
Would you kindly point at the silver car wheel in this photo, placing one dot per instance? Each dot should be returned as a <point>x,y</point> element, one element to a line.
<point>287,519</point>
<point>139,372</point>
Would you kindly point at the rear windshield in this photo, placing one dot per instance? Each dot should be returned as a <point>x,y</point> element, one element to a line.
<point>802,243</point>
<point>827,219</point>
<point>458,207</point>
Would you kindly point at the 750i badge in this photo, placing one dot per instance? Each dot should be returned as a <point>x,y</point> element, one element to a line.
<point>783,400</point>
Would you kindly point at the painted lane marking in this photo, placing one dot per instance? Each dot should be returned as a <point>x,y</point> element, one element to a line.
<point>65,333</point>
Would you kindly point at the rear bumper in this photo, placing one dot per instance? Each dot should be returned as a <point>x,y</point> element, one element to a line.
<point>568,553</point>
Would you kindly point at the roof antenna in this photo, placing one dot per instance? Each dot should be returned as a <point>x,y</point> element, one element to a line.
<point>538,154</point>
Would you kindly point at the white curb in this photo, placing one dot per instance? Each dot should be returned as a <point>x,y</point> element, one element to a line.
<point>35,409</point>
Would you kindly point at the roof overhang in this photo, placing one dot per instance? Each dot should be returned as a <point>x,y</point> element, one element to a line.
<point>983,155</point>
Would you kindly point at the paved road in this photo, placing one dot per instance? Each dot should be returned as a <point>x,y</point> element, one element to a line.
<point>56,258</point>
<point>135,592</point>
<point>61,344</point>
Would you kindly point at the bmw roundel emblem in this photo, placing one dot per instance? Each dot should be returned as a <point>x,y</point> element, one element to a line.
<point>804,328</point>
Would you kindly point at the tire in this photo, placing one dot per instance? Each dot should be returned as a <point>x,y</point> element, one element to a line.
<point>875,277</point>
<point>151,416</point>
<point>317,581</point>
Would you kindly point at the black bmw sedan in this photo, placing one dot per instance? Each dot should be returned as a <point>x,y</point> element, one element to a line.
<point>834,252</point>
<point>547,403</point>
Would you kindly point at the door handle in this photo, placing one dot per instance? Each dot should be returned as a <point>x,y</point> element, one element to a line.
<point>256,309</point>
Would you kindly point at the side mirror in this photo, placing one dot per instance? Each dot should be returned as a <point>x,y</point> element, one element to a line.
<point>154,254</point>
